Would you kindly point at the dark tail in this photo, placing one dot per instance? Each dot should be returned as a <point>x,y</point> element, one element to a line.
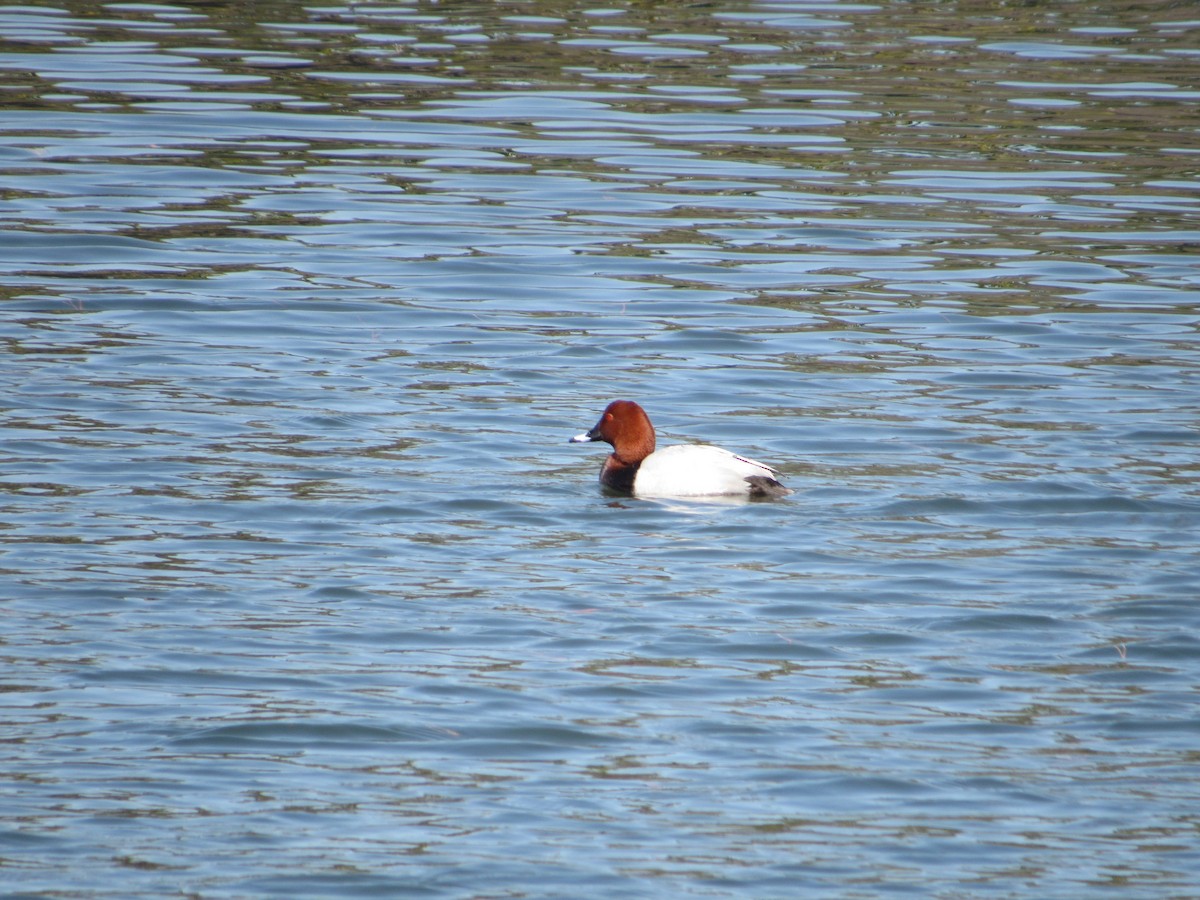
<point>765,486</point>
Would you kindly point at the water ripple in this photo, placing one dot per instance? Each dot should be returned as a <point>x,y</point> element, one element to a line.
<point>306,592</point>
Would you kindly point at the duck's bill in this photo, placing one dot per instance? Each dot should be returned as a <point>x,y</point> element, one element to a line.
<point>582,438</point>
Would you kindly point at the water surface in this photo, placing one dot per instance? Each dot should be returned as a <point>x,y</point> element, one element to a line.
<point>305,593</point>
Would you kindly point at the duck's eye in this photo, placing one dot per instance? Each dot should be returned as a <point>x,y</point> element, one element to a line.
<point>608,417</point>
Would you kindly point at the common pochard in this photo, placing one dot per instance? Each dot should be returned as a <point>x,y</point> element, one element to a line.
<point>684,470</point>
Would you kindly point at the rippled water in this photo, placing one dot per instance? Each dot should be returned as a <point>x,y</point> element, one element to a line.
<point>305,594</point>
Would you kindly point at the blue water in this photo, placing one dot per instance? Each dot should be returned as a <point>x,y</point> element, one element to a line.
<point>305,594</point>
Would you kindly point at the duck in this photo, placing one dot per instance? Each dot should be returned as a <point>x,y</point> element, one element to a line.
<point>636,468</point>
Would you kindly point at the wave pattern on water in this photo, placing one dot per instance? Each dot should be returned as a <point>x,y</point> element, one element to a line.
<point>306,595</point>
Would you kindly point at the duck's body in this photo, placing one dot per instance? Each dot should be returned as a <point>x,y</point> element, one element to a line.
<point>685,470</point>
<point>701,470</point>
